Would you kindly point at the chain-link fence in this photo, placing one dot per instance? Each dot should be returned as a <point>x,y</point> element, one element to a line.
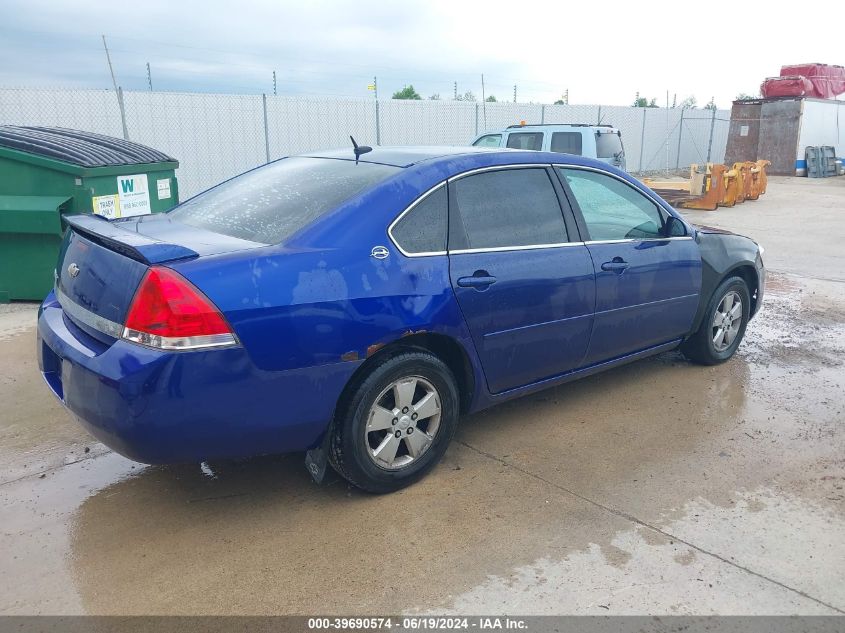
<point>216,136</point>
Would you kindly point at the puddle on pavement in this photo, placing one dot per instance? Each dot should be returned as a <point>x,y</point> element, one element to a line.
<point>261,538</point>
<point>662,440</point>
<point>36,432</point>
<point>644,572</point>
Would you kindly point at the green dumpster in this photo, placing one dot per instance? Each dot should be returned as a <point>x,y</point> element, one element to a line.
<point>46,173</point>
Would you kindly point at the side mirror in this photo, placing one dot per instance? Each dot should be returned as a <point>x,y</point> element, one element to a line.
<point>673,227</point>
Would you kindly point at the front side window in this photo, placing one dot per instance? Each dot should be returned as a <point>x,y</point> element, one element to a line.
<point>566,143</point>
<point>271,203</point>
<point>423,228</point>
<point>491,140</point>
<point>525,140</point>
<point>506,208</point>
<point>612,209</point>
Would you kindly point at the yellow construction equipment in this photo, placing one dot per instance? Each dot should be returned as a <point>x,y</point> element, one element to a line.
<point>711,186</point>
<point>758,179</point>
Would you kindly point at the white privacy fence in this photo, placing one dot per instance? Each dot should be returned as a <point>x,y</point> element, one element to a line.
<point>216,136</point>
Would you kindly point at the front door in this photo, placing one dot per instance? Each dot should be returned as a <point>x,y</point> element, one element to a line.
<point>647,280</point>
<point>525,289</point>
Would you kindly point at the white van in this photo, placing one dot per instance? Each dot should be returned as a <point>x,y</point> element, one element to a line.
<point>602,142</point>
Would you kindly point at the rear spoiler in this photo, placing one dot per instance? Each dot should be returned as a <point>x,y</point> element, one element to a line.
<point>129,243</point>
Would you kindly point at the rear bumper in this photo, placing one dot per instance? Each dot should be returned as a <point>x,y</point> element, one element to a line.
<point>162,407</point>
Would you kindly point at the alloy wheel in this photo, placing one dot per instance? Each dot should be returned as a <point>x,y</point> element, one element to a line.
<point>403,422</point>
<point>726,321</point>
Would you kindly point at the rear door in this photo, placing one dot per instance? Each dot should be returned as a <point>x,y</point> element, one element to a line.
<point>570,142</point>
<point>523,279</point>
<point>647,282</point>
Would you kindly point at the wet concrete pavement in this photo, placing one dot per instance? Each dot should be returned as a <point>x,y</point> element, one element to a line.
<point>660,487</point>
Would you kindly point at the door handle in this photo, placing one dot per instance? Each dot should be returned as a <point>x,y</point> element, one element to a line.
<point>617,265</point>
<point>480,280</point>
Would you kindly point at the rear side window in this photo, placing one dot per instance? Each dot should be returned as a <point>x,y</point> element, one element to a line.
<point>608,144</point>
<point>509,207</point>
<point>526,140</point>
<point>491,140</point>
<point>566,143</point>
<point>423,228</point>
<point>269,204</point>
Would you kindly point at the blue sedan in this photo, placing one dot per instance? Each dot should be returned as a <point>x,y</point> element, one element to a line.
<point>354,303</point>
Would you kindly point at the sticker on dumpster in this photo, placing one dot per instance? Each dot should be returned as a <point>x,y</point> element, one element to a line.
<point>743,130</point>
<point>106,206</point>
<point>163,188</point>
<point>134,195</point>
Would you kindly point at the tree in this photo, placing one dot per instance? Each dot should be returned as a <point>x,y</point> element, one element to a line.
<point>690,103</point>
<point>711,105</point>
<point>407,92</point>
<point>467,96</point>
<point>491,99</point>
<point>434,97</point>
<point>560,102</point>
<point>742,96</point>
<point>642,102</point>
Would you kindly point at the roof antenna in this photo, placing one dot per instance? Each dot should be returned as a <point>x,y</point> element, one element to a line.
<point>359,149</point>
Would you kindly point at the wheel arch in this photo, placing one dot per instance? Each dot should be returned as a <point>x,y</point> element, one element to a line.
<point>748,273</point>
<point>713,278</point>
<point>451,352</point>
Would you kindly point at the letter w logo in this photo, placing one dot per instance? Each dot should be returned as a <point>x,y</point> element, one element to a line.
<point>127,186</point>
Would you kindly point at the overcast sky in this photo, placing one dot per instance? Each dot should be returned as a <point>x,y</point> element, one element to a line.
<point>603,52</point>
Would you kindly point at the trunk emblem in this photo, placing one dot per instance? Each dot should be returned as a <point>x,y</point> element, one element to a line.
<point>73,270</point>
<point>379,252</point>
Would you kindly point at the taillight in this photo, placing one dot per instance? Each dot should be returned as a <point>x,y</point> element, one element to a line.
<point>168,312</point>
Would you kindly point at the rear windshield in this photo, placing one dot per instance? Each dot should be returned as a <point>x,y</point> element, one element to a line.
<point>269,204</point>
<point>608,144</point>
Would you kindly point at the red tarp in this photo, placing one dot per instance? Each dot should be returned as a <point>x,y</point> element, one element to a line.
<point>826,81</point>
<point>796,86</point>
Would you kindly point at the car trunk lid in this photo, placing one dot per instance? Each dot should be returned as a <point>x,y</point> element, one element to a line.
<point>102,262</point>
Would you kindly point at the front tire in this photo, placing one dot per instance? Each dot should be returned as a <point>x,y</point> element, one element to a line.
<point>397,423</point>
<point>723,326</point>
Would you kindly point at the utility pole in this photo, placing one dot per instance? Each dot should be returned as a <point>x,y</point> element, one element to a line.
<point>274,83</point>
<point>118,92</point>
<point>108,59</point>
<point>456,91</point>
<point>566,96</point>
<point>149,77</point>
<point>514,93</point>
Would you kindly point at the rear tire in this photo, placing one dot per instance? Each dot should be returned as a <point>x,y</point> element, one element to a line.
<point>723,326</point>
<point>396,424</point>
